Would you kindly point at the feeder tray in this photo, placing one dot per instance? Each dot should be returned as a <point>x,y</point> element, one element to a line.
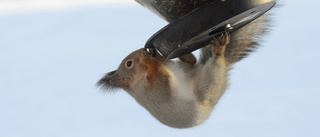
<point>194,23</point>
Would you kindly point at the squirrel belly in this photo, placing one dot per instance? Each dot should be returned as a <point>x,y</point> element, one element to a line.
<point>193,94</point>
<point>181,95</point>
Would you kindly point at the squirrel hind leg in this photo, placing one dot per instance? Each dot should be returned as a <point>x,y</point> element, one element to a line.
<point>188,58</point>
<point>219,44</point>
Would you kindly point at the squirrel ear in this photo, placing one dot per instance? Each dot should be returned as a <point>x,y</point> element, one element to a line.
<point>109,82</point>
<point>111,73</point>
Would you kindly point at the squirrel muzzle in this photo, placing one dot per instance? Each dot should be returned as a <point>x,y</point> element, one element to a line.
<point>151,49</point>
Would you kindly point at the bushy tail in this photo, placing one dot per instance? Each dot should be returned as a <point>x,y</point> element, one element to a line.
<point>246,39</point>
<point>242,41</point>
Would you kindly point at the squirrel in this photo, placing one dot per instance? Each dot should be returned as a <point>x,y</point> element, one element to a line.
<point>183,93</point>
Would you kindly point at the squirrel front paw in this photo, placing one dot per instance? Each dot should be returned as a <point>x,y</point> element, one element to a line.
<point>219,44</point>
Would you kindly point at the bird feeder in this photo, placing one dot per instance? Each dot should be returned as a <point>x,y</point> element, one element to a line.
<point>194,23</point>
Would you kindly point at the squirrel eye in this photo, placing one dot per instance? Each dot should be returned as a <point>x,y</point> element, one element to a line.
<point>129,64</point>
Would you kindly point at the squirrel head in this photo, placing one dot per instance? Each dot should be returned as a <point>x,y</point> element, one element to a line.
<point>134,70</point>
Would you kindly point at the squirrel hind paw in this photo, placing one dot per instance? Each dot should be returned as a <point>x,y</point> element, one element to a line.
<point>219,44</point>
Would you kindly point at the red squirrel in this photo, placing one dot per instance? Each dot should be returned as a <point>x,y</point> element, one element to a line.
<point>182,94</point>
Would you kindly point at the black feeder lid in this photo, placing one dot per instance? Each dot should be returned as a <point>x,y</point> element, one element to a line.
<point>197,28</point>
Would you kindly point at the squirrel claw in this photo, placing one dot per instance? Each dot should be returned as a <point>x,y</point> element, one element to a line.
<point>219,44</point>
